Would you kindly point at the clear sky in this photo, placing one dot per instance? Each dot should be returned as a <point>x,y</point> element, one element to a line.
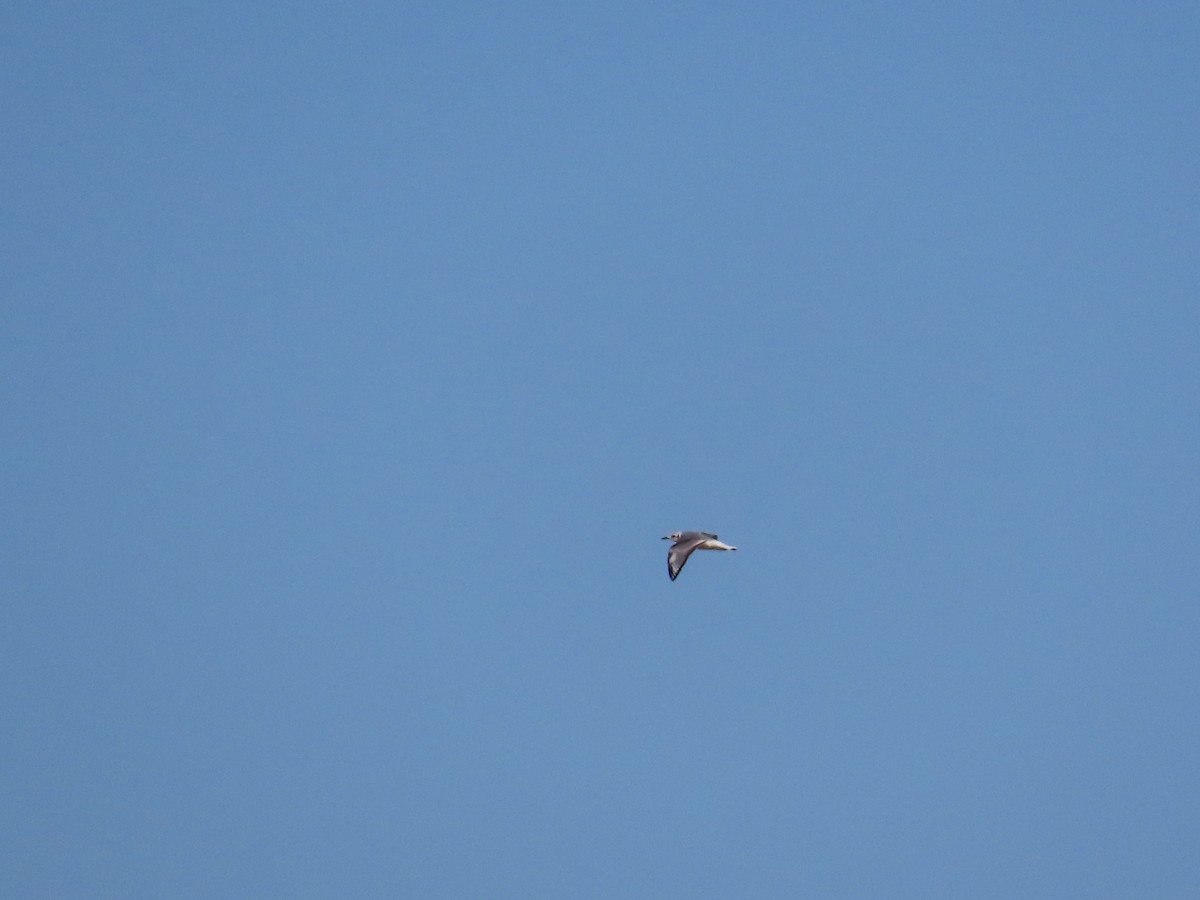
<point>355,358</point>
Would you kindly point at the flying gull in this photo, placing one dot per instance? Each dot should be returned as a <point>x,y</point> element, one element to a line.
<point>685,543</point>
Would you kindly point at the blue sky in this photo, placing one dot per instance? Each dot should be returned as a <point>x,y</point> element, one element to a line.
<point>355,360</point>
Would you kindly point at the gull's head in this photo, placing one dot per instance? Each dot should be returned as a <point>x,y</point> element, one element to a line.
<point>673,537</point>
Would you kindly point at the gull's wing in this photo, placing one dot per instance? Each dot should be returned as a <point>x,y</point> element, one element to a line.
<point>680,551</point>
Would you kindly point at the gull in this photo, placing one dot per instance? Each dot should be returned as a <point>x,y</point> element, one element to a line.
<point>685,543</point>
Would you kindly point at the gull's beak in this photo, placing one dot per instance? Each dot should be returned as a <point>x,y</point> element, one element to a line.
<point>666,537</point>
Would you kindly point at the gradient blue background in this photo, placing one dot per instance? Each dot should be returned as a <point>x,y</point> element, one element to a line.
<point>354,360</point>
